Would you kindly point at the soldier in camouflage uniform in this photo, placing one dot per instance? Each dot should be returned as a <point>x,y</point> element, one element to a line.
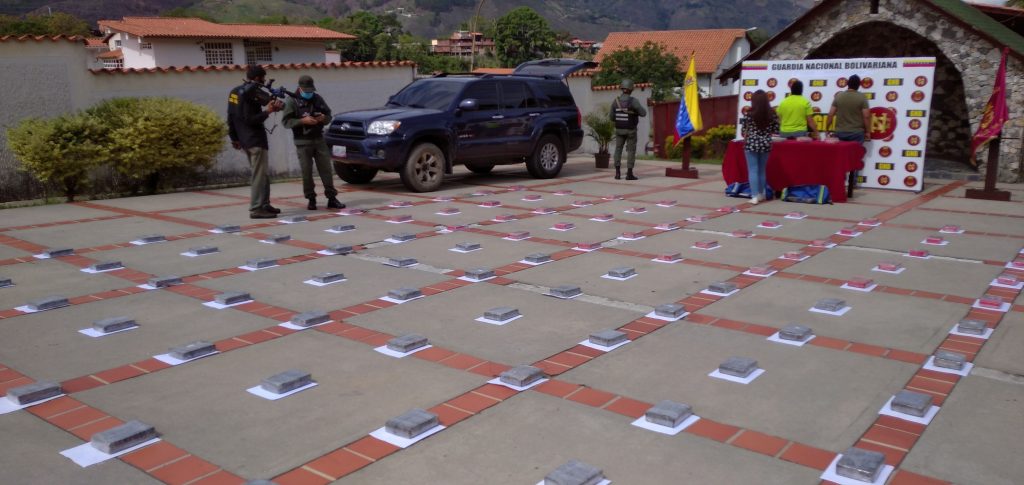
<point>625,113</point>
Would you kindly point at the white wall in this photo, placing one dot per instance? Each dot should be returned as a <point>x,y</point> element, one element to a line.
<point>187,52</point>
<point>589,100</point>
<point>133,54</point>
<point>177,53</point>
<point>740,48</point>
<point>292,52</point>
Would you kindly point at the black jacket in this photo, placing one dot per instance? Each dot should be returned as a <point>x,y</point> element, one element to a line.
<point>246,117</point>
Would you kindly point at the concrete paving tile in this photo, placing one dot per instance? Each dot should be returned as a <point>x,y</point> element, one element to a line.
<point>540,433</point>
<point>735,251</point>
<point>177,200</point>
<point>847,211</point>
<point>974,437</point>
<point>41,278</point>
<point>44,214</point>
<point>960,246</point>
<point>827,404</point>
<point>470,213</point>
<point>891,197</point>
<point>1003,351</point>
<point>271,437</point>
<point>585,230</point>
<point>805,229</point>
<point>35,457</point>
<point>166,259</point>
<point>955,201</point>
<point>654,214</point>
<point>98,233</point>
<point>961,278</point>
<point>495,252</point>
<point>7,252</point>
<point>47,345</point>
<point>282,286</point>
<point>239,215</point>
<point>548,325</point>
<point>697,201</point>
<point>367,230</point>
<point>901,322</point>
<point>969,222</point>
<point>655,283</point>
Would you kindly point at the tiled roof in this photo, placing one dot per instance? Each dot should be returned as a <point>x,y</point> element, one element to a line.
<point>40,38</point>
<point>95,42</point>
<point>283,67</point>
<point>114,54</point>
<point>616,87</point>
<point>711,46</point>
<point>199,28</point>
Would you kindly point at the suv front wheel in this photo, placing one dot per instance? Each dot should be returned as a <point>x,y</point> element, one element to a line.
<point>424,169</point>
<point>354,174</point>
<point>547,159</point>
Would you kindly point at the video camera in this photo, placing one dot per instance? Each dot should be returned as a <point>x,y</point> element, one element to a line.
<point>267,92</point>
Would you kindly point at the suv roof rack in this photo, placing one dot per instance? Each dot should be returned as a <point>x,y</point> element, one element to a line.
<point>474,74</point>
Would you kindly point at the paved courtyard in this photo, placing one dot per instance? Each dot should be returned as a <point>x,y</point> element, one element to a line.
<point>811,403</point>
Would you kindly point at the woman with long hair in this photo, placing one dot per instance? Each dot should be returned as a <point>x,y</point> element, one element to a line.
<point>758,125</point>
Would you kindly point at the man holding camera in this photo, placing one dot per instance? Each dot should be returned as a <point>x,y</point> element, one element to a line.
<point>306,116</point>
<point>248,108</point>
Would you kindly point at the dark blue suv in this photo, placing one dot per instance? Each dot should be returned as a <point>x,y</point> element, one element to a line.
<point>475,120</point>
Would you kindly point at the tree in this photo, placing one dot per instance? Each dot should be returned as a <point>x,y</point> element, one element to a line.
<point>375,35</point>
<point>649,63</point>
<point>57,23</point>
<point>60,151</point>
<point>522,35</point>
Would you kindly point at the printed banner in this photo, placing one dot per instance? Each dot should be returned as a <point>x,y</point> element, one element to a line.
<point>899,92</point>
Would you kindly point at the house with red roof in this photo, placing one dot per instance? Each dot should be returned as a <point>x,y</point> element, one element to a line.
<point>715,50</point>
<point>161,42</point>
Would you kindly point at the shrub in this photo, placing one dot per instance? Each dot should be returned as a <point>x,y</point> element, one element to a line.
<point>155,138</point>
<point>61,150</point>
<point>601,128</point>
<point>711,144</point>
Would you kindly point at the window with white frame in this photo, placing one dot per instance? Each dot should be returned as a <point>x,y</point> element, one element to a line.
<point>219,53</point>
<point>117,43</point>
<point>258,52</point>
<point>113,63</point>
<point>145,45</point>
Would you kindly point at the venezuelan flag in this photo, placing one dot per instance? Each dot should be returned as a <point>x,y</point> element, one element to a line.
<point>688,120</point>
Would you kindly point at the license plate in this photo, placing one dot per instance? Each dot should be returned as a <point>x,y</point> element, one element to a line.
<point>339,151</point>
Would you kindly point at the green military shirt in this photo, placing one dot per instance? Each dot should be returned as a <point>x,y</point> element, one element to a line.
<point>849,107</point>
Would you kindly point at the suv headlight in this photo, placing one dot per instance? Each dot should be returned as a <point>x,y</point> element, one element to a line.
<point>383,127</point>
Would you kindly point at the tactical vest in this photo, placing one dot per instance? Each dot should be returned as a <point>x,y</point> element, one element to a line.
<point>305,108</point>
<point>625,117</point>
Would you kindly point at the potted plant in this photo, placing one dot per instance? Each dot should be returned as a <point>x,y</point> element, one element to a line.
<point>601,128</point>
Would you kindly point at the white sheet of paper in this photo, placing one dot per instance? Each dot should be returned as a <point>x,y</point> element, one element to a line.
<point>396,241</point>
<point>1005,307</point>
<point>397,222</point>
<point>642,422</point>
<point>314,283</point>
<point>865,224</point>
<point>383,349</point>
<point>8,406</point>
<point>943,243</point>
<point>862,290</point>
<point>332,231</point>
<point>189,254</point>
<point>930,365</point>
<point>585,250</point>
<point>836,313</point>
<point>564,297</point>
<point>496,322</point>
<point>1011,266</point>
<point>93,271</point>
<point>265,394</point>
<point>397,266</point>
<point>292,326</point>
<point>602,348</point>
<point>794,259</point>
<point>848,235</point>
<point>961,231</point>
<point>748,273</point>
<point>597,219</point>
<point>141,243</point>
<point>581,205</point>
<point>666,205</point>
<point>26,309</point>
<point>984,336</point>
<point>876,268</point>
<point>383,435</point>
<point>286,221</point>
<point>250,268</point>
<point>86,455</point>
<point>463,278</point>
<point>705,249</point>
<point>827,246</point>
<point>831,475</point>
<point>656,260</point>
<point>497,381</point>
<point>561,230</point>
<point>796,343</point>
<point>535,264</point>
<point>516,239</point>
<point>742,380</point>
<point>715,293</point>
<point>399,302</point>
<point>92,332</point>
<point>40,256</point>
<point>997,284</point>
<point>762,226</point>
<point>218,306</point>
<point>797,218</point>
<point>146,286</point>
<point>918,257</point>
<point>887,410</point>
<point>666,228</point>
<point>630,211</point>
<point>691,219</point>
<point>655,316</point>
<point>169,360</point>
<point>602,482</point>
<point>462,251</point>
<point>616,278</point>
<point>623,238</point>
<point>540,212</point>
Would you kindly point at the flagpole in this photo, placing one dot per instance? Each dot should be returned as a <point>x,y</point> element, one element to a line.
<point>686,171</point>
<point>991,174</point>
<point>996,105</point>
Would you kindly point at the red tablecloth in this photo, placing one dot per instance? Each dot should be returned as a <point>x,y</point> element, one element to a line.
<point>800,163</point>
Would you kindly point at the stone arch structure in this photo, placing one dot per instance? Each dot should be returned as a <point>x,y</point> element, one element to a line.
<point>949,135</point>
<point>963,49</point>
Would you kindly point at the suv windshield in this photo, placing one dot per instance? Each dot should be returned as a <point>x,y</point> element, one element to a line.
<point>427,93</point>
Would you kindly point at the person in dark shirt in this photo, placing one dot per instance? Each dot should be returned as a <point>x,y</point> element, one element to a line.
<point>306,117</point>
<point>625,113</point>
<point>248,108</point>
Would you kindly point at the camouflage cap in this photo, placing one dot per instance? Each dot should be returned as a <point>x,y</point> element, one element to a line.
<point>306,83</point>
<point>627,84</point>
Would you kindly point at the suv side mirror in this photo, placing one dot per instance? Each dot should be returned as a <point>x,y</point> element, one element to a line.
<point>468,105</point>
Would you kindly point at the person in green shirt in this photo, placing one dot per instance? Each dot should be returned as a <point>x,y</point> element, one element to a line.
<point>795,114</point>
<point>306,116</point>
<point>850,112</point>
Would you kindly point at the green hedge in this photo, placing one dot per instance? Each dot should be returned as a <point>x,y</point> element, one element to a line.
<point>145,140</point>
<point>711,144</point>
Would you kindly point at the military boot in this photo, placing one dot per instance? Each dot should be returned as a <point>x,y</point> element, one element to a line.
<point>618,173</point>
<point>334,203</point>
<point>630,176</point>
<point>312,204</point>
